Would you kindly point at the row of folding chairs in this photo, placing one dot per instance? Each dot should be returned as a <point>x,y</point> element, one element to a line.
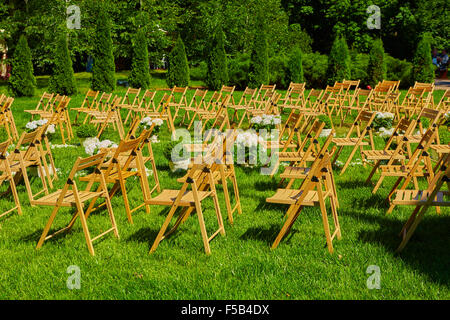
<point>7,118</point>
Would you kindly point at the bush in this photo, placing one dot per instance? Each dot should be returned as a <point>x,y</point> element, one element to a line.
<point>376,70</point>
<point>199,72</point>
<point>399,70</point>
<point>360,63</point>
<point>383,120</point>
<point>217,74</point>
<point>140,69</point>
<point>339,62</point>
<point>325,120</point>
<point>103,71</point>
<point>278,71</point>
<point>22,81</point>
<point>238,70</point>
<point>258,73</point>
<point>315,70</point>
<point>295,66</point>
<point>62,80</point>
<point>86,131</point>
<point>178,73</point>
<point>423,70</point>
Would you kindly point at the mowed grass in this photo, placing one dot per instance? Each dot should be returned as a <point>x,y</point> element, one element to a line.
<point>241,265</point>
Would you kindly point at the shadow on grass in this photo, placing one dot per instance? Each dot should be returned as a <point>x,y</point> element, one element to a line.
<point>266,185</point>
<point>145,235</point>
<point>427,251</point>
<point>267,234</point>
<point>376,201</point>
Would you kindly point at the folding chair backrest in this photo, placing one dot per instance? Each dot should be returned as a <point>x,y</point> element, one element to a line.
<point>131,97</point>
<point>428,87</point>
<point>227,91</point>
<point>44,101</point>
<point>148,99</point>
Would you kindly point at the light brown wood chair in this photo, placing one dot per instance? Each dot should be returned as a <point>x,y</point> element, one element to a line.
<point>43,105</point>
<point>7,119</point>
<point>101,105</point>
<point>245,102</point>
<point>432,196</point>
<point>294,98</point>
<point>59,117</point>
<point>7,176</point>
<point>433,116</point>
<point>162,112</point>
<point>89,103</point>
<point>126,162</point>
<point>444,103</point>
<point>71,196</point>
<point>314,191</point>
<point>363,130</point>
<point>197,103</point>
<point>179,101</point>
<point>109,117</point>
<point>418,165</point>
<point>190,196</point>
<point>130,102</point>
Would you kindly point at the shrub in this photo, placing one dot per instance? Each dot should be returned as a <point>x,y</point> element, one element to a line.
<point>315,70</point>
<point>238,68</point>
<point>199,72</point>
<point>423,70</point>
<point>339,62</point>
<point>259,60</point>
<point>217,74</point>
<point>278,71</point>
<point>22,81</point>
<point>140,69</point>
<point>376,70</point>
<point>325,119</point>
<point>383,120</point>
<point>103,70</point>
<point>62,80</point>
<point>359,66</point>
<point>295,66</point>
<point>178,73</point>
<point>86,131</point>
<point>399,70</point>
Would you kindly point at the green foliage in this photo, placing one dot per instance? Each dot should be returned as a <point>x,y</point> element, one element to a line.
<point>399,70</point>
<point>295,66</point>
<point>22,81</point>
<point>259,60</point>
<point>63,79</point>
<point>423,70</point>
<point>238,68</point>
<point>86,131</point>
<point>178,73</point>
<point>3,134</point>
<point>359,66</point>
<point>278,71</point>
<point>382,122</point>
<point>103,72</point>
<point>339,62</point>
<point>376,70</point>
<point>217,74</point>
<point>315,67</point>
<point>140,68</point>
<point>199,72</point>
<point>325,120</point>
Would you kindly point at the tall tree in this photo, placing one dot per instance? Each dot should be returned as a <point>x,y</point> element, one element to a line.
<point>62,80</point>
<point>140,69</point>
<point>178,73</point>
<point>376,70</point>
<point>103,71</point>
<point>423,70</point>
<point>217,74</point>
<point>295,66</point>
<point>22,81</point>
<point>259,61</point>
<point>339,61</point>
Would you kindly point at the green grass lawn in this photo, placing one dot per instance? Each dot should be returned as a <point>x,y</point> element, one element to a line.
<point>241,265</point>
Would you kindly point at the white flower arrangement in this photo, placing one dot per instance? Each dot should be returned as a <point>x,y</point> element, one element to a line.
<point>383,120</point>
<point>33,125</point>
<point>385,133</point>
<point>93,145</point>
<point>266,121</point>
<point>147,123</point>
<point>249,143</point>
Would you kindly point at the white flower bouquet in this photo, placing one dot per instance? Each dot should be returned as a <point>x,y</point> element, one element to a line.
<point>94,145</point>
<point>266,121</point>
<point>383,120</point>
<point>33,125</point>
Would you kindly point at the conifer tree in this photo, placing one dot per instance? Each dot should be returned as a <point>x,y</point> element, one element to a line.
<point>423,70</point>
<point>62,80</point>
<point>178,73</point>
<point>22,81</point>
<point>217,74</point>
<point>140,69</point>
<point>295,66</point>
<point>376,70</point>
<point>259,60</point>
<point>339,62</point>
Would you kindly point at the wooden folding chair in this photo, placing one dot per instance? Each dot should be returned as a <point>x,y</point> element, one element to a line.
<point>101,105</point>
<point>109,117</point>
<point>180,102</point>
<point>196,104</point>
<point>264,93</point>
<point>71,196</point>
<point>245,102</point>
<point>21,160</point>
<point>130,102</point>
<point>89,103</point>
<point>7,119</point>
<point>218,116</point>
<point>43,105</point>
<point>310,193</point>
<point>59,117</point>
<point>414,165</point>
<point>400,153</point>
<point>361,99</point>
<point>434,116</point>
<point>189,198</point>
<point>126,157</point>
<point>433,196</point>
<point>6,175</point>
<point>162,112</point>
<point>228,91</point>
<point>362,126</point>
<point>294,98</point>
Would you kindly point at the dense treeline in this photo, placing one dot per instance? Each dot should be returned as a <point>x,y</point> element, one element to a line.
<point>312,26</point>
